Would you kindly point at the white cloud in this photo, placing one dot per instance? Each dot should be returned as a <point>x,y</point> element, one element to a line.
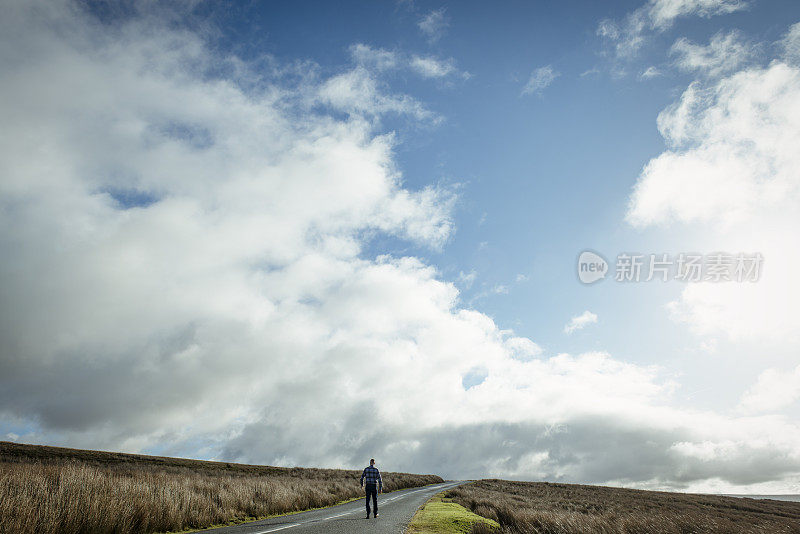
<point>626,39</point>
<point>725,53</point>
<point>790,45</point>
<point>500,289</point>
<point>580,321</point>
<point>358,92</point>
<point>731,173</point>
<point>430,67</point>
<point>488,291</point>
<point>467,279</point>
<point>540,79</point>
<point>434,24</point>
<point>657,16</point>
<point>773,391</point>
<point>732,150</point>
<point>522,348</point>
<point>650,72</point>
<point>663,13</point>
<point>244,236</point>
<point>376,58</point>
<point>709,345</point>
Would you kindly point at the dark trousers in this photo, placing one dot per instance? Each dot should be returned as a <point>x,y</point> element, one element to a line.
<point>372,489</point>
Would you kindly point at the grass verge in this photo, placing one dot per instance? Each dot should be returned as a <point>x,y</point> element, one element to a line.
<point>441,515</point>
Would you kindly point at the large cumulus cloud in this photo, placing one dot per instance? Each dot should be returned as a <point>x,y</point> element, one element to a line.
<point>731,176</point>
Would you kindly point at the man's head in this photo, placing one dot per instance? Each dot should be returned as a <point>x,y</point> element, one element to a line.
<point>372,461</point>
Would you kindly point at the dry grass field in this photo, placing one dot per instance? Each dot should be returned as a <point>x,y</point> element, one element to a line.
<point>545,508</point>
<point>51,490</point>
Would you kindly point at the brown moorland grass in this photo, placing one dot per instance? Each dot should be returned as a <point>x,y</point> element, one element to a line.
<point>548,508</point>
<point>53,490</point>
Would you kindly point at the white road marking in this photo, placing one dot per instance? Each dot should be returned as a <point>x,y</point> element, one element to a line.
<point>281,528</point>
<point>338,515</point>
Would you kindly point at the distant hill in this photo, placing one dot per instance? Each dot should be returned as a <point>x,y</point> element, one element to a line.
<point>19,452</point>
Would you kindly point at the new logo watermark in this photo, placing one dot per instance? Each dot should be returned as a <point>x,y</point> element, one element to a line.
<point>591,267</point>
<point>683,267</point>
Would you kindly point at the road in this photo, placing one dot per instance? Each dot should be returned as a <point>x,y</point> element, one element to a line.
<point>395,511</point>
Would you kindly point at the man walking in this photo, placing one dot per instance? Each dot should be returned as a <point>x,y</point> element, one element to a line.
<point>374,485</point>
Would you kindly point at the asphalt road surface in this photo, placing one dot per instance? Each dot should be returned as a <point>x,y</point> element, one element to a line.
<point>395,510</point>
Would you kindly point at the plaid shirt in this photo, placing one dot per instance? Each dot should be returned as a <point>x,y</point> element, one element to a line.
<point>372,475</point>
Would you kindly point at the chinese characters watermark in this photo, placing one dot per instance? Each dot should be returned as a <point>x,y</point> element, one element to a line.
<point>683,267</point>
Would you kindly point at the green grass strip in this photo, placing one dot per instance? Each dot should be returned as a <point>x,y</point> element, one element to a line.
<point>442,516</point>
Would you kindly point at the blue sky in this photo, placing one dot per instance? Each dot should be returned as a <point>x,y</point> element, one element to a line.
<point>231,226</point>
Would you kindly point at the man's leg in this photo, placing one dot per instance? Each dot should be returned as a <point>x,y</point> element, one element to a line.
<point>375,500</point>
<point>370,490</point>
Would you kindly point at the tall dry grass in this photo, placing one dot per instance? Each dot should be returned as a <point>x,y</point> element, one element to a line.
<point>53,492</point>
<point>546,508</point>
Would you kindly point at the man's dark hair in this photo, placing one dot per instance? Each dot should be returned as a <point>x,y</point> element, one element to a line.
<point>372,460</point>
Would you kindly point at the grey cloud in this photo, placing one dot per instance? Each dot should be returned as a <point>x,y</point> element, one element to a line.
<point>595,450</point>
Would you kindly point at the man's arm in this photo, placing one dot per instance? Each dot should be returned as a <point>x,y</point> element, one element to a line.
<point>380,482</point>
<point>363,474</point>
